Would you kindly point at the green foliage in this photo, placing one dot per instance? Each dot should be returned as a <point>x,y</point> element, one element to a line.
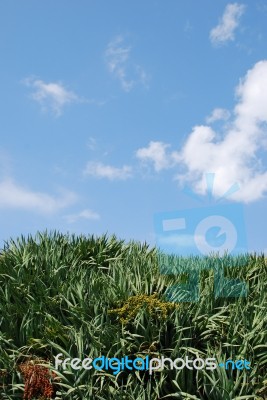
<point>60,294</point>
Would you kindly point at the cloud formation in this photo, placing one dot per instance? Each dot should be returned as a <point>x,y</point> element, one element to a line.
<point>84,214</point>
<point>18,197</point>
<point>51,96</point>
<point>117,57</point>
<point>225,30</point>
<point>218,114</point>
<point>100,170</point>
<point>235,158</point>
<point>234,155</point>
<point>156,154</point>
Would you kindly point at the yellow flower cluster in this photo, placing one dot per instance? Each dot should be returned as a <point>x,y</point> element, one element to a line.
<point>152,303</point>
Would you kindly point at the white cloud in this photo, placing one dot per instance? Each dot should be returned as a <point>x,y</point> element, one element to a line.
<point>117,57</point>
<point>91,143</point>
<point>188,28</point>
<point>234,155</point>
<point>229,22</point>
<point>51,96</point>
<point>85,214</point>
<point>18,197</point>
<point>156,153</point>
<point>142,76</point>
<point>235,158</point>
<point>100,170</point>
<point>218,114</point>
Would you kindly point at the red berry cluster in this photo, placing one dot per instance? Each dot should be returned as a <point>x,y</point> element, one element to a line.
<point>38,380</point>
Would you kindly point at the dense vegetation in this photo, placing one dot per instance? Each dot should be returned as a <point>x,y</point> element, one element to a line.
<point>92,296</point>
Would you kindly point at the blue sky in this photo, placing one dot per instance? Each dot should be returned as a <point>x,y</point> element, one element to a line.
<point>110,108</point>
